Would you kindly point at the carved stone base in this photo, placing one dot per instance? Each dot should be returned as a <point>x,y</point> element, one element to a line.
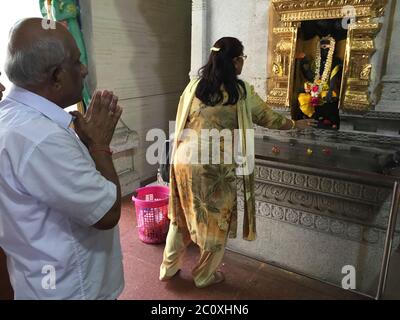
<point>316,224</point>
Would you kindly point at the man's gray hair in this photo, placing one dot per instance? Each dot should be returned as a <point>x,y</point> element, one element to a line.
<point>31,65</point>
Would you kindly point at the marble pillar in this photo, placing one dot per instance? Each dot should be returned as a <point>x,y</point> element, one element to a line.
<point>213,19</point>
<point>140,50</point>
<point>390,100</point>
<point>199,36</point>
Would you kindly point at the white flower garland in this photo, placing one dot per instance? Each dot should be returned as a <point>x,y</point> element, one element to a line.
<point>328,64</point>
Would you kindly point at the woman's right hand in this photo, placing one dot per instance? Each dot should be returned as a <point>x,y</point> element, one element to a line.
<point>96,127</point>
<point>306,124</point>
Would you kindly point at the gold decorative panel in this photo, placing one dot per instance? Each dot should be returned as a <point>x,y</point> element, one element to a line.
<point>282,66</point>
<point>357,67</point>
<point>284,29</point>
<point>302,10</point>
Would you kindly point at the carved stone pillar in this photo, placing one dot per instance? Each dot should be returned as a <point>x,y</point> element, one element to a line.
<point>390,100</point>
<point>199,36</point>
<point>315,223</point>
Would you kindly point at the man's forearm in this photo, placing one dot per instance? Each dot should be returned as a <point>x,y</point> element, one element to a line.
<point>6,290</point>
<point>105,166</point>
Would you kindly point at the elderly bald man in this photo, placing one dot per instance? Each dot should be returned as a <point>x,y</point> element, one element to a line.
<point>60,199</point>
<point>6,292</point>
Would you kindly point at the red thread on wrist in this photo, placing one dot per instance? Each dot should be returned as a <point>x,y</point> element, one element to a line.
<point>101,149</point>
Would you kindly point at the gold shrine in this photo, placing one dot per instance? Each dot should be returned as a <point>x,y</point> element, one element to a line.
<point>285,22</point>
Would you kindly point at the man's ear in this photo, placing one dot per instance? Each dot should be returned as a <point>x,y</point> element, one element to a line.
<point>57,75</point>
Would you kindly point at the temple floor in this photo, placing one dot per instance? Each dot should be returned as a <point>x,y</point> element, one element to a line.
<point>246,278</point>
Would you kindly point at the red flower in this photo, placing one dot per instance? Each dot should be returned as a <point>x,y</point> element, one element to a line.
<point>314,101</point>
<point>327,151</point>
<point>276,150</point>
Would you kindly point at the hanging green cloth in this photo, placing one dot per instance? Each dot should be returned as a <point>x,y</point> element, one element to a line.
<point>67,11</point>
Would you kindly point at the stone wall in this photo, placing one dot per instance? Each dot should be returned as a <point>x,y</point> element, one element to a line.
<point>140,49</point>
<point>245,20</point>
<point>249,21</point>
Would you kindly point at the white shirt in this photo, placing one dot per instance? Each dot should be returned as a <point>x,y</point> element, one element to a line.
<point>50,197</point>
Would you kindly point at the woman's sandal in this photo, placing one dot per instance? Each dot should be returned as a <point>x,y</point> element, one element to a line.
<point>167,278</point>
<point>218,278</point>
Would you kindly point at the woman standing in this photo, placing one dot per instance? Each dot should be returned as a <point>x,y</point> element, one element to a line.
<point>203,193</point>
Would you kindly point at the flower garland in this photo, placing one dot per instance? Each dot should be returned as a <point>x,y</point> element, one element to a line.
<point>320,82</point>
<point>328,63</point>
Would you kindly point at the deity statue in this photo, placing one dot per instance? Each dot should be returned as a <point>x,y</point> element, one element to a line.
<point>320,98</point>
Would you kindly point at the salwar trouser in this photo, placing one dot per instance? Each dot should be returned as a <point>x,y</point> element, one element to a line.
<point>176,243</point>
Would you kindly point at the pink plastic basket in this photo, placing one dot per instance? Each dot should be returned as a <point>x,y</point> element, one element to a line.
<point>151,205</point>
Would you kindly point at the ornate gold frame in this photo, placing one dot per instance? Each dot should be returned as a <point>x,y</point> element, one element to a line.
<point>286,19</point>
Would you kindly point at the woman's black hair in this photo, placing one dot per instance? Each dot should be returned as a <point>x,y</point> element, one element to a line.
<point>220,72</point>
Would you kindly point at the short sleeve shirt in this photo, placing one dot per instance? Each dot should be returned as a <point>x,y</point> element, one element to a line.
<point>51,195</point>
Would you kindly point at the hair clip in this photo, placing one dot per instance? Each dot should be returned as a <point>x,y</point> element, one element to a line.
<point>215,49</point>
